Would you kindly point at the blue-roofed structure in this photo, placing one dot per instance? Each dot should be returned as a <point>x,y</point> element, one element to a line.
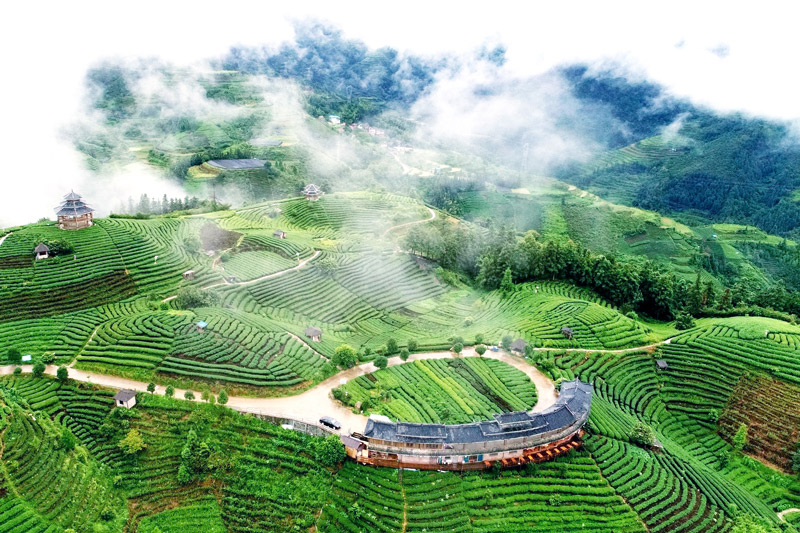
<point>201,325</point>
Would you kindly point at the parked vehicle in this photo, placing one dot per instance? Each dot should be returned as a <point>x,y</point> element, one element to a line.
<point>330,422</point>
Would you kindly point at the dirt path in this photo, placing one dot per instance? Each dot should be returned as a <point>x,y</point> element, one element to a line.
<point>268,276</point>
<point>647,348</point>
<point>782,514</point>
<point>433,215</point>
<point>316,402</point>
<point>5,236</point>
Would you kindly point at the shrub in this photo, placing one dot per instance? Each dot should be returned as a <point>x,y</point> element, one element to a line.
<point>458,347</point>
<point>412,345</point>
<point>190,297</point>
<point>480,349</point>
<point>189,395</point>
<point>740,438</point>
<point>381,362</point>
<point>14,356</point>
<point>169,392</point>
<point>38,369</point>
<point>62,374</point>
<point>506,341</point>
<point>48,358</point>
<point>67,439</point>
<point>223,397</point>
<point>391,346</point>
<point>151,387</point>
<point>684,321</point>
<point>642,434</point>
<point>479,338</point>
<point>329,451</point>
<point>404,354</point>
<point>344,356</point>
<point>132,443</point>
<point>17,371</point>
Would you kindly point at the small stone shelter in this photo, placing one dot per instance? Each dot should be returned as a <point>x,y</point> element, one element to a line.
<point>125,398</point>
<point>662,364</point>
<point>314,333</point>
<point>279,233</point>
<point>42,251</point>
<point>567,332</point>
<point>189,275</point>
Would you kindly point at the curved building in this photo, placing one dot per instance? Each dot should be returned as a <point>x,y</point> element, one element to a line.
<point>510,439</point>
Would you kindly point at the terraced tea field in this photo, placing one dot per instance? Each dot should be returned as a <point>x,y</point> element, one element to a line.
<point>442,391</point>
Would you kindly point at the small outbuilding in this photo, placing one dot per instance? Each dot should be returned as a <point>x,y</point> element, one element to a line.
<point>279,233</point>
<point>201,326</point>
<point>188,275</point>
<point>314,333</point>
<point>125,398</point>
<point>42,251</point>
<point>519,346</point>
<point>662,364</point>
<point>27,358</point>
<point>567,332</point>
<point>352,446</point>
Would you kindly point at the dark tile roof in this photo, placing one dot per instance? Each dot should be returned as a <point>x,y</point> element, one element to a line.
<point>125,395</point>
<point>313,332</point>
<point>518,345</point>
<point>573,404</point>
<point>351,442</point>
<point>41,248</point>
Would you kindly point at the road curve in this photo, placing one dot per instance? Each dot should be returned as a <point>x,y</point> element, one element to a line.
<point>316,402</point>
<point>300,265</point>
<point>433,215</point>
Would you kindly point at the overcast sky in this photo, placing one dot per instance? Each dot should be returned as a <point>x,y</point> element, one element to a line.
<point>715,53</point>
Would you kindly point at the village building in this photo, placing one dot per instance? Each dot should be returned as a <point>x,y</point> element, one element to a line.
<point>567,332</point>
<point>314,333</point>
<point>279,233</point>
<point>73,213</point>
<point>125,398</point>
<point>188,275</point>
<point>42,251</point>
<point>510,439</point>
<point>334,119</point>
<point>662,364</point>
<point>519,346</point>
<point>312,192</point>
<point>201,326</point>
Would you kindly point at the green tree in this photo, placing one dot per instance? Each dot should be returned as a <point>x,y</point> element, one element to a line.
<point>48,358</point>
<point>506,341</point>
<point>684,321</point>
<point>189,395</point>
<point>507,283</point>
<point>642,434</point>
<point>151,387</point>
<point>192,244</point>
<point>740,438</point>
<point>457,347</point>
<point>132,443</point>
<point>479,338</point>
<point>404,354</point>
<point>205,395</point>
<point>345,356</point>
<point>169,392</point>
<point>412,345</point>
<point>194,458</point>
<point>67,439</point>
<point>223,397</point>
<point>38,369</point>
<point>480,349</point>
<point>329,451</point>
<point>391,346</point>
<point>14,356</point>
<point>62,374</point>
<point>381,362</point>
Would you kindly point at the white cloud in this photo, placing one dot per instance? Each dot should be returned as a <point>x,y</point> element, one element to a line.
<point>48,48</point>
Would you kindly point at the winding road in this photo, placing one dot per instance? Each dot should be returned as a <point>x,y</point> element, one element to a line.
<point>316,402</point>
<point>433,215</point>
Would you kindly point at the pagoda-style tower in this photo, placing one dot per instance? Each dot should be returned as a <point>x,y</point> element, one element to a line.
<point>312,192</point>
<point>73,213</point>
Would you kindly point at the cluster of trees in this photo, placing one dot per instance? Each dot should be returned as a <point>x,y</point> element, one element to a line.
<point>349,79</point>
<point>153,206</point>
